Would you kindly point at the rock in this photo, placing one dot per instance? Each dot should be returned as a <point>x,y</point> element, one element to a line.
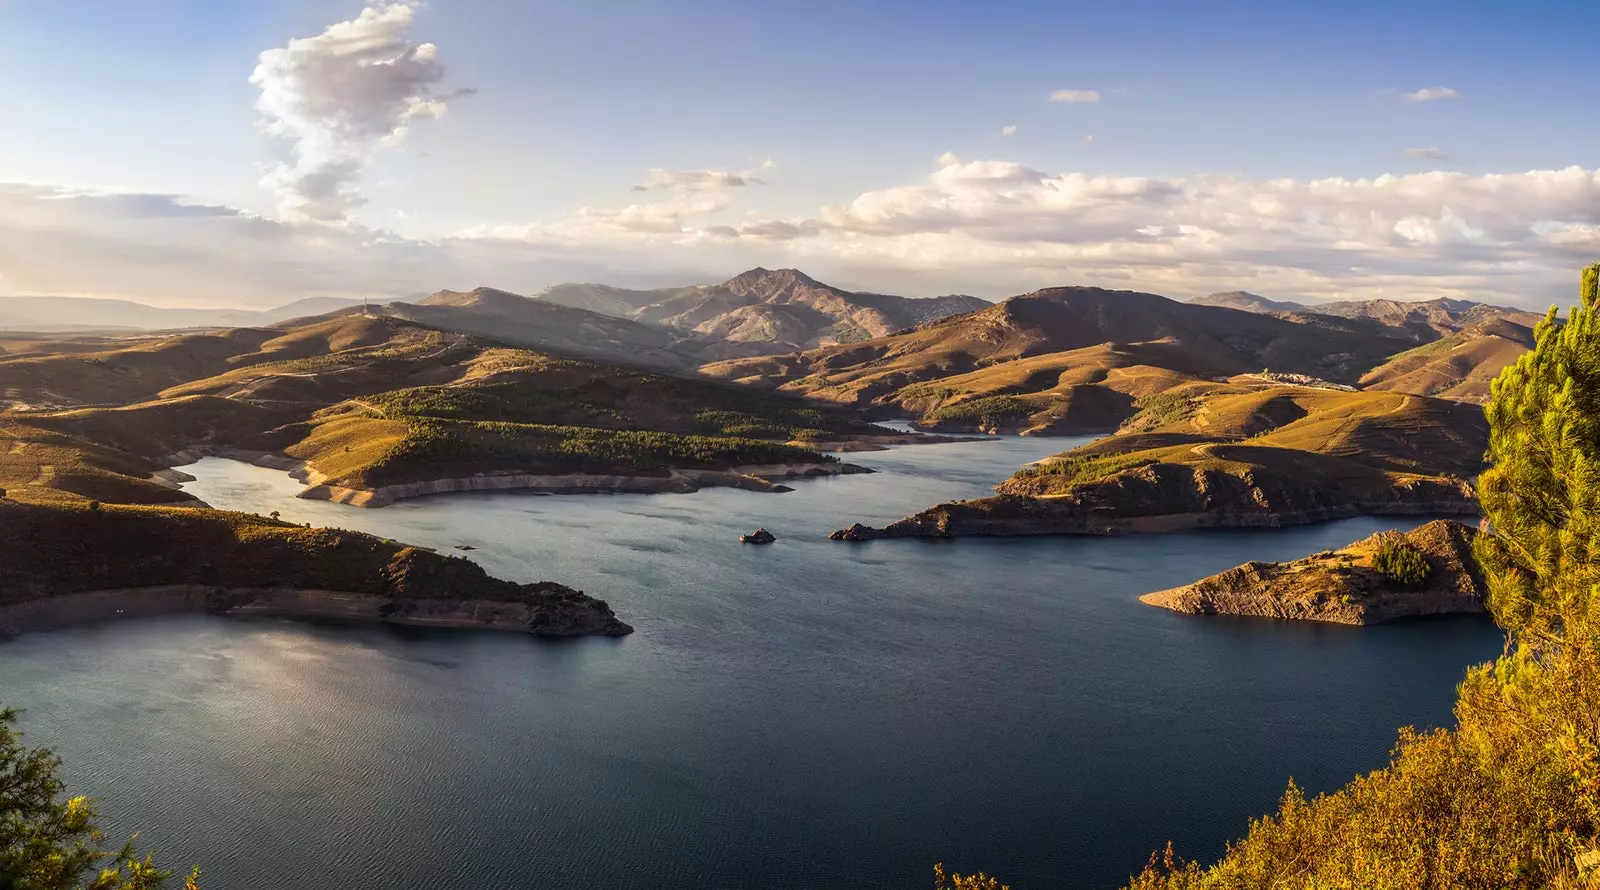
<point>856,532</point>
<point>465,547</point>
<point>759,536</point>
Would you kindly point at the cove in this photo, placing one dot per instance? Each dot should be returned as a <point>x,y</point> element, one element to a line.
<point>804,714</point>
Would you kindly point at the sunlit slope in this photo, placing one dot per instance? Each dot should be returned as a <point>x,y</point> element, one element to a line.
<point>1036,353</point>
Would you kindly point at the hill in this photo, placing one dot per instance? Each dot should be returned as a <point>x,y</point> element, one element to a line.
<point>1343,586</point>
<point>1248,302</point>
<point>1460,366</point>
<point>363,404</point>
<point>1061,360</point>
<point>536,324</point>
<point>70,563</point>
<point>1235,455</point>
<point>763,311</point>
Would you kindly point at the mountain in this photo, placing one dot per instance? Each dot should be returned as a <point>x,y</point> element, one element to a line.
<point>1249,302</point>
<point>86,313</point>
<point>538,324</point>
<point>763,311</point>
<point>1423,320</point>
<point>603,298</point>
<point>1441,317</point>
<point>1460,366</point>
<point>1061,360</point>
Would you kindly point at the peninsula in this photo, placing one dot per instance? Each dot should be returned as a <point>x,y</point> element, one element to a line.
<point>1353,585</point>
<point>70,563</point>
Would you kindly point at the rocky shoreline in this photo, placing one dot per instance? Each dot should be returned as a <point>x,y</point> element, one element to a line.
<point>548,613</point>
<point>1171,499</point>
<point>1341,587</point>
<point>766,478</point>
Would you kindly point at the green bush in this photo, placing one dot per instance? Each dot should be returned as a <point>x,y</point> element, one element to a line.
<point>1401,564</point>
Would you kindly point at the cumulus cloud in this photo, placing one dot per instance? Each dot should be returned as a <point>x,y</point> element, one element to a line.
<point>1008,129</point>
<point>1075,96</point>
<point>337,98</point>
<point>1433,153</point>
<point>1431,94</point>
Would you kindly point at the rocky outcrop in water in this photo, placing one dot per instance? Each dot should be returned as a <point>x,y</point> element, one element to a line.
<point>759,536</point>
<point>1341,586</point>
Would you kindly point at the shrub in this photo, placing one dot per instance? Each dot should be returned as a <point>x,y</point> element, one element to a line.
<point>1401,564</point>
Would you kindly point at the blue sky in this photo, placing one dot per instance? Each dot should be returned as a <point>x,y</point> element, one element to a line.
<point>843,110</point>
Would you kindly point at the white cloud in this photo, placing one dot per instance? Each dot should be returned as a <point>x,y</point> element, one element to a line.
<point>701,180</point>
<point>1431,94</point>
<point>1008,129</point>
<point>1433,153</point>
<point>947,159</point>
<point>1075,96</point>
<point>992,227</point>
<point>337,98</point>
<point>1088,139</point>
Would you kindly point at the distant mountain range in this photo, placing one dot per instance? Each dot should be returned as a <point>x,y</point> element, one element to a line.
<point>763,311</point>
<point>85,313</point>
<point>1426,320</point>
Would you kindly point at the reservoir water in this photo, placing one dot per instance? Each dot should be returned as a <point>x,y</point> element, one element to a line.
<point>806,714</point>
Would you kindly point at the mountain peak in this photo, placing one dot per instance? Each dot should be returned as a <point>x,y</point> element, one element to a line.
<point>768,284</point>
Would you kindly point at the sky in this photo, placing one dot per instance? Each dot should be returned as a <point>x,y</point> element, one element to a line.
<point>254,152</point>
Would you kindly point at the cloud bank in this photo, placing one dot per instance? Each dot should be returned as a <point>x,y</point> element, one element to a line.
<point>337,98</point>
<point>990,227</point>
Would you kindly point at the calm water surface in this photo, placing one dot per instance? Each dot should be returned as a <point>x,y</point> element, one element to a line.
<point>809,714</point>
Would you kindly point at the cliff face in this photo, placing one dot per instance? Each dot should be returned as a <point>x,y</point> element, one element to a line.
<point>1173,497</point>
<point>1341,586</point>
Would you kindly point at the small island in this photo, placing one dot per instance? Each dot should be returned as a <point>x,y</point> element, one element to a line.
<point>1427,571</point>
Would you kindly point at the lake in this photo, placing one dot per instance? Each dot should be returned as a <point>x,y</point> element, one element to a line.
<point>806,714</point>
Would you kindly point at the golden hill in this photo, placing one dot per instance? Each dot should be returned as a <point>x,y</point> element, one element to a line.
<point>1057,361</point>
<point>1236,454</point>
<point>371,401</point>
<point>1460,366</point>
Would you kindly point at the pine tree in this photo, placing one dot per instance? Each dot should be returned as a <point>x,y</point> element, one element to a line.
<point>48,842</point>
<point>1541,497</point>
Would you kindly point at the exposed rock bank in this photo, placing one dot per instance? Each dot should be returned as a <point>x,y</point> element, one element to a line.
<point>763,478</point>
<point>1341,586</point>
<point>1168,497</point>
<point>551,610</point>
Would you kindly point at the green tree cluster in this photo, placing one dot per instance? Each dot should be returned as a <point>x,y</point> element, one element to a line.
<point>1401,564</point>
<point>1509,799</point>
<point>49,841</point>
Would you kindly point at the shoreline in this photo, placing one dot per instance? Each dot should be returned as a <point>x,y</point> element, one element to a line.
<point>920,526</point>
<point>67,610</point>
<point>763,478</point>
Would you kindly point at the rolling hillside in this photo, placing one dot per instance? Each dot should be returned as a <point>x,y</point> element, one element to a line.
<point>1460,366</point>
<point>1240,454</point>
<point>1060,360</point>
<point>380,400</point>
